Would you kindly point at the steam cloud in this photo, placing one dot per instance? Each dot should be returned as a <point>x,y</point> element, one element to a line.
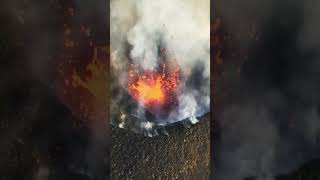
<point>140,28</point>
<point>271,124</point>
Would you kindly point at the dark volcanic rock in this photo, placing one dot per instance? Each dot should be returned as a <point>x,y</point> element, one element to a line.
<point>183,154</point>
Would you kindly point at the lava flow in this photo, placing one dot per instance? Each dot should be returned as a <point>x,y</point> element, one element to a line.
<point>153,89</point>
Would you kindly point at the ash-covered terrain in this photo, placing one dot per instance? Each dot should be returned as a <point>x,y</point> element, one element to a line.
<point>182,154</point>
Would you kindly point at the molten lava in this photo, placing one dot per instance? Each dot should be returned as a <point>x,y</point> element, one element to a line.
<point>149,90</point>
<point>153,89</point>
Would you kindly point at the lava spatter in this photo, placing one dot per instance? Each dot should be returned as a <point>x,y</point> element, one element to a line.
<point>153,89</point>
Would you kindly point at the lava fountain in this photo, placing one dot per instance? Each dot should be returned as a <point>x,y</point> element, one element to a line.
<point>155,89</point>
<point>160,62</point>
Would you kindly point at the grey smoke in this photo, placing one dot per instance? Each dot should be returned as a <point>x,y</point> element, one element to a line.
<point>271,124</point>
<point>140,27</point>
<point>42,173</point>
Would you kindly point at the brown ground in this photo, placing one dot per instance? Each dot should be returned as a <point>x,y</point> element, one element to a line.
<point>184,154</point>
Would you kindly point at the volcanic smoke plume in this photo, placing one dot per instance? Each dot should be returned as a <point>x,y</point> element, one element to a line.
<point>160,60</point>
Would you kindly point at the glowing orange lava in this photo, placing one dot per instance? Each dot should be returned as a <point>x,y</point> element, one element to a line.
<point>149,90</point>
<point>155,87</point>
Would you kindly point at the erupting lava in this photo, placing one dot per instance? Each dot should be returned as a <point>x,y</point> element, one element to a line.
<point>149,90</point>
<point>155,88</point>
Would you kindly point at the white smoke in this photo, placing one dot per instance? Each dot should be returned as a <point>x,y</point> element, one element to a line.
<point>140,27</point>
